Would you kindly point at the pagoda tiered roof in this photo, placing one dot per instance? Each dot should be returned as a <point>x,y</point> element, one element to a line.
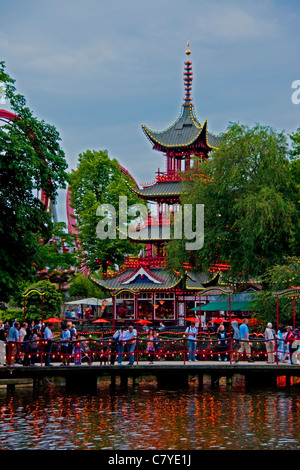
<point>186,133</point>
<point>139,279</point>
<point>160,190</point>
<point>145,273</point>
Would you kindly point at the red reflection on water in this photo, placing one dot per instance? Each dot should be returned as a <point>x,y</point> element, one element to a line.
<point>143,417</point>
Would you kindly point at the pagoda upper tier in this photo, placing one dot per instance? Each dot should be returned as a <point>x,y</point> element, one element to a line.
<point>186,135</point>
<point>185,143</point>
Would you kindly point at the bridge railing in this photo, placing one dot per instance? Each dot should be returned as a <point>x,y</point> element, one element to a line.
<point>168,347</point>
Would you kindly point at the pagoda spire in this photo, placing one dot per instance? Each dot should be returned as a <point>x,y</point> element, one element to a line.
<point>188,77</point>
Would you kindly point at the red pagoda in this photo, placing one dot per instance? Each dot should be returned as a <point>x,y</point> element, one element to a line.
<point>143,288</point>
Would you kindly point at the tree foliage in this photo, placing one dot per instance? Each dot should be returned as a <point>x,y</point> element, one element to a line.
<point>82,287</point>
<point>52,301</point>
<point>99,180</point>
<point>277,279</point>
<point>250,199</point>
<point>52,255</point>
<point>30,159</point>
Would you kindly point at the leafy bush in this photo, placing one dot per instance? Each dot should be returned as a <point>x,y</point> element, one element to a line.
<point>11,314</point>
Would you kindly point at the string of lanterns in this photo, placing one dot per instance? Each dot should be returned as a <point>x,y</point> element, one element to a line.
<point>169,343</point>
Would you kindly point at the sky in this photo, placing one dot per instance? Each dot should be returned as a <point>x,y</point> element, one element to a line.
<point>97,70</point>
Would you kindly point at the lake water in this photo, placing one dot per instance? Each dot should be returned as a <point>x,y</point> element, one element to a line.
<point>144,417</point>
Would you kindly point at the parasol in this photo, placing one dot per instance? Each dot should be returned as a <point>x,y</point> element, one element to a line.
<point>53,320</point>
<point>217,320</point>
<point>100,320</point>
<point>143,322</point>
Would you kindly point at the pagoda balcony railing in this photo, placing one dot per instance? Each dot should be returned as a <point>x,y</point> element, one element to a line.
<point>165,176</point>
<point>153,261</point>
<point>171,175</point>
<point>153,221</point>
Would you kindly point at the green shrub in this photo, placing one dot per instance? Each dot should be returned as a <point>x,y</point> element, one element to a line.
<point>11,314</point>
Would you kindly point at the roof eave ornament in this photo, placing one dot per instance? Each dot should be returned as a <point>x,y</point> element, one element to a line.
<point>188,49</point>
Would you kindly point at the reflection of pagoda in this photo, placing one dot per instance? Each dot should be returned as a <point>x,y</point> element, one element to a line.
<point>143,288</point>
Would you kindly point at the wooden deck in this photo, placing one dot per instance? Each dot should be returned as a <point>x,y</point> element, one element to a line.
<point>173,373</point>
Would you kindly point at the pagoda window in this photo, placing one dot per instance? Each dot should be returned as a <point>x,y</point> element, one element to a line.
<point>145,296</point>
<point>190,305</point>
<point>145,306</point>
<point>164,306</point>
<point>125,306</point>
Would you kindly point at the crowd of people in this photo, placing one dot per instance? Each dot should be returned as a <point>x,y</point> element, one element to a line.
<point>21,343</point>
<point>284,344</point>
<point>78,313</point>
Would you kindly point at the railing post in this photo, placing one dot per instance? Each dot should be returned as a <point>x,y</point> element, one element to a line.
<point>90,352</point>
<point>230,348</point>
<point>137,349</point>
<point>230,339</point>
<point>41,352</point>
<point>276,350</point>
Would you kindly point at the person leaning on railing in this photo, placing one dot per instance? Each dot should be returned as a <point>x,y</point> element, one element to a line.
<point>191,332</point>
<point>65,338</point>
<point>2,344</point>
<point>130,338</point>
<point>236,341</point>
<point>289,339</point>
<point>222,336</point>
<point>48,337</point>
<point>269,336</point>
<point>12,344</point>
<point>118,339</point>
<point>33,346</point>
<point>150,348</point>
<point>245,344</point>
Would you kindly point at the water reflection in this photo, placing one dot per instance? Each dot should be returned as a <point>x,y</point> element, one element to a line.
<point>145,417</point>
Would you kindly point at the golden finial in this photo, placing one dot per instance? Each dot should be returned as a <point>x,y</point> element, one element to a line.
<point>188,49</point>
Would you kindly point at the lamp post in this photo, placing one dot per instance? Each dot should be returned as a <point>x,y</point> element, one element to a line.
<point>293,296</point>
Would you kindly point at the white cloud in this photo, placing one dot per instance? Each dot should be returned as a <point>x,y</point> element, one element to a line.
<point>231,22</point>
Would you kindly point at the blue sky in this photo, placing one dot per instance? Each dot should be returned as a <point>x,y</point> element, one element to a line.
<point>97,70</point>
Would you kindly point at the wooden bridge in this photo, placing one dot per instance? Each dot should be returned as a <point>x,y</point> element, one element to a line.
<point>173,374</point>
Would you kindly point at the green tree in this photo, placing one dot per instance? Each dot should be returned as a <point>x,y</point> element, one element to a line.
<point>295,171</point>
<point>30,159</point>
<point>250,202</point>
<point>52,254</point>
<point>99,180</point>
<point>276,279</point>
<point>52,301</point>
<point>81,286</point>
